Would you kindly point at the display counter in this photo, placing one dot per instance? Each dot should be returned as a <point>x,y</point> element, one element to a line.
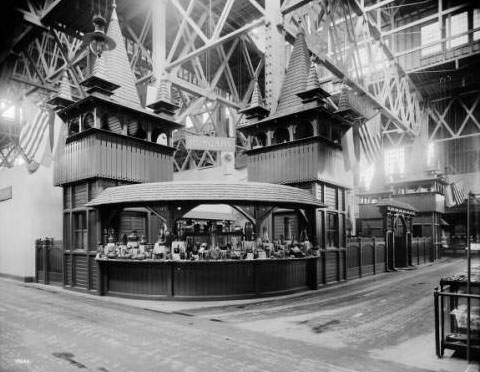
<point>220,279</point>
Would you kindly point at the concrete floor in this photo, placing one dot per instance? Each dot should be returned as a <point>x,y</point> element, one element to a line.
<point>382,323</point>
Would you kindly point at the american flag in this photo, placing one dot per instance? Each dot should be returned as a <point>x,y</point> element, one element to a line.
<point>370,139</point>
<point>35,133</point>
<point>455,193</point>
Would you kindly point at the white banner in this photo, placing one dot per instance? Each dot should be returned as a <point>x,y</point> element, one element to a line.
<point>225,144</point>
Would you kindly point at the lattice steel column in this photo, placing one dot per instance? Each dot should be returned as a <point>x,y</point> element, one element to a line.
<point>159,37</point>
<point>274,53</point>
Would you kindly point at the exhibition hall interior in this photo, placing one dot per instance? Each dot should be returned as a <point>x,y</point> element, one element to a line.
<point>299,176</point>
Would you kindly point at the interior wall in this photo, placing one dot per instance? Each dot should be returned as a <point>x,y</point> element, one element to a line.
<point>34,211</point>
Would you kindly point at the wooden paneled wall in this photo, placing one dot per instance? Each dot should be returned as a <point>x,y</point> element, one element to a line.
<point>97,153</point>
<point>295,163</point>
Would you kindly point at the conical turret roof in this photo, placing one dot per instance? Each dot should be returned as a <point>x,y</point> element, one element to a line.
<point>257,99</point>
<point>164,103</point>
<point>64,96</point>
<point>256,108</point>
<point>295,78</point>
<point>117,66</point>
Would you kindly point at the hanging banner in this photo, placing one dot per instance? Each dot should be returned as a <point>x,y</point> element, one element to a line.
<point>211,143</point>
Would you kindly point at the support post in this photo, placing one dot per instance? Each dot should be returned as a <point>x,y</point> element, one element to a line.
<point>158,37</point>
<point>274,53</point>
<point>437,323</point>
<point>45,260</point>
<point>360,251</point>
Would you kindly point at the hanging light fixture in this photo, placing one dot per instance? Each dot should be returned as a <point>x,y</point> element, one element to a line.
<point>97,40</point>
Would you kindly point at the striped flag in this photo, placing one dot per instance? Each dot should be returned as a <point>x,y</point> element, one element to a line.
<point>35,136</point>
<point>370,139</point>
<point>455,193</point>
<point>459,192</point>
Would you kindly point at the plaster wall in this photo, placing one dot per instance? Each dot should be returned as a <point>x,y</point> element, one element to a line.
<point>34,211</point>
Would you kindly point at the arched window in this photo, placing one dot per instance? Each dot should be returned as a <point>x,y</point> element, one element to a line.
<point>141,133</point>
<point>132,126</point>
<point>88,121</point>
<point>104,122</point>
<point>114,124</point>
<point>159,136</point>
<point>162,139</point>
<point>303,130</point>
<point>73,126</point>
<point>281,135</point>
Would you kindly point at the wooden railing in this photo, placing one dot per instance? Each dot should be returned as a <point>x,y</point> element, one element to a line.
<point>48,261</point>
<point>365,256</point>
<point>422,250</point>
<point>98,153</point>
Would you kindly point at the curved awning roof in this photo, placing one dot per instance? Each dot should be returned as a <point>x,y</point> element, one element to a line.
<point>206,193</point>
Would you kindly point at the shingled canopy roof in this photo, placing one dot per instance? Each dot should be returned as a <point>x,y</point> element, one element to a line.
<point>206,193</point>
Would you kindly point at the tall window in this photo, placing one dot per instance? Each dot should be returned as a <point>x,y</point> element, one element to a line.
<point>457,24</point>
<point>80,230</point>
<point>332,230</point>
<point>430,34</point>
<point>476,23</point>
<point>394,161</point>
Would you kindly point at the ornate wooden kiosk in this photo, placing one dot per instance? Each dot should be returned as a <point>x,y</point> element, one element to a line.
<point>298,143</point>
<point>203,279</point>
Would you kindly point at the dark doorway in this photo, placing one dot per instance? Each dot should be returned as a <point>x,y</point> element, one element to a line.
<point>400,243</point>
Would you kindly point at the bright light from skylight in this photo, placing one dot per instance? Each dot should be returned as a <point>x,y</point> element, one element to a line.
<point>366,176</point>
<point>9,113</point>
<point>430,153</point>
<point>258,36</point>
<point>394,161</point>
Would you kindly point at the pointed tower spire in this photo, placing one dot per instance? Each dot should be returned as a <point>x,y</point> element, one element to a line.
<point>295,77</point>
<point>256,109</point>
<point>64,96</point>
<point>313,91</point>
<point>164,103</point>
<point>117,66</point>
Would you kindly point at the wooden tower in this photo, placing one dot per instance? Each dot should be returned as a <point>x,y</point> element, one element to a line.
<point>111,140</point>
<point>299,144</point>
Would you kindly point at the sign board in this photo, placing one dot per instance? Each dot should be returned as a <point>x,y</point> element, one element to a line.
<point>211,143</point>
<point>5,193</point>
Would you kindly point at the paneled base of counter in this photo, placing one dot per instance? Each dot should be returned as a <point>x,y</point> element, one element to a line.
<point>208,280</point>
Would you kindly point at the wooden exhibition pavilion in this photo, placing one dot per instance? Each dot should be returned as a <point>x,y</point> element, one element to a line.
<point>116,172</point>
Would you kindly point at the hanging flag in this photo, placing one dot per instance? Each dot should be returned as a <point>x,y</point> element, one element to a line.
<point>348,148</point>
<point>370,139</point>
<point>459,192</point>
<point>455,192</point>
<point>35,136</point>
<point>34,132</point>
